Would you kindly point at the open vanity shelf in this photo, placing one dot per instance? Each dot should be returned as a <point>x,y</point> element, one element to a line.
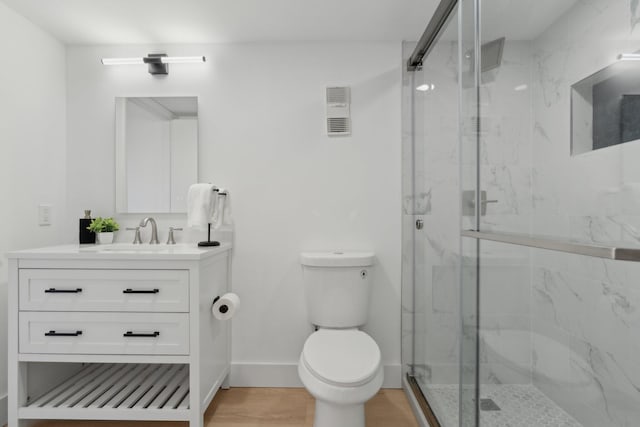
<point>112,333</point>
<point>116,391</point>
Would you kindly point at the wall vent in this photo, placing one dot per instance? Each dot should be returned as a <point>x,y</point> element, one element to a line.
<point>338,111</point>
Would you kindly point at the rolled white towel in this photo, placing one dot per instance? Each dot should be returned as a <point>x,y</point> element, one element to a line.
<point>201,203</point>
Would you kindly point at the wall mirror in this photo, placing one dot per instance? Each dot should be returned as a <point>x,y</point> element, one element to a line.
<point>605,107</point>
<point>156,153</point>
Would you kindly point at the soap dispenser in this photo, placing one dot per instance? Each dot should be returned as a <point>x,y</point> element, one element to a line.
<point>86,236</point>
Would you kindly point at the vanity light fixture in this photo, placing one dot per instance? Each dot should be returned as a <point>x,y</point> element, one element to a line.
<point>629,57</point>
<point>157,62</point>
<point>122,61</point>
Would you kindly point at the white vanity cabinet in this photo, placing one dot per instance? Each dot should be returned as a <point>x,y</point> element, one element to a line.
<point>116,333</point>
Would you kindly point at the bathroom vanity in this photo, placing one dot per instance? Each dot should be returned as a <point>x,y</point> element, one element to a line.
<point>116,332</point>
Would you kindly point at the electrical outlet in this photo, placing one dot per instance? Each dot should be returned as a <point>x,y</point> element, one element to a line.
<point>44,214</point>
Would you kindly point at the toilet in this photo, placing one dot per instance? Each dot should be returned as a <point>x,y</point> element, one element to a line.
<point>339,365</point>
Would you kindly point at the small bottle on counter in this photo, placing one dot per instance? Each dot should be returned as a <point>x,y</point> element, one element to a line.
<point>86,236</point>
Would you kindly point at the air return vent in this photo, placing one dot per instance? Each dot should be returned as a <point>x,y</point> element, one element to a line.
<point>338,111</point>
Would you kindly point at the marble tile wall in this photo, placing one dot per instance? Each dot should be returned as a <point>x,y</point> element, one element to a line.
<point>585,311</point>
<point>505,174</point>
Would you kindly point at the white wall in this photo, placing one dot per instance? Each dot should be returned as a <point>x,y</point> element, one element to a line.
<point>261,127</point>
<point>32,147</point>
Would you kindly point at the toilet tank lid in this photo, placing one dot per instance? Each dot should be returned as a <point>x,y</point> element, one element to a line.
<point>337,259</point>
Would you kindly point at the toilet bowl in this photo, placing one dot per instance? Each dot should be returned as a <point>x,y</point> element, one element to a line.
<point>339,364</point>
<point>341,369</point>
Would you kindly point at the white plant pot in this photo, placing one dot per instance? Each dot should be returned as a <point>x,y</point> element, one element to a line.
<point>105,238</point>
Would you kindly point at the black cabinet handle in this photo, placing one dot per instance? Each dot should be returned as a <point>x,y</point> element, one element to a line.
<point>142,291</point>
<point>62,291</point>
<point>132,334</point>
<point>62,334</point>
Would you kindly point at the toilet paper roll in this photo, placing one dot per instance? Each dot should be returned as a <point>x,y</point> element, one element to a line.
<point>225,307</point>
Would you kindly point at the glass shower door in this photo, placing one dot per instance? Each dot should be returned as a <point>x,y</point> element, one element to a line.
<point>432,217</point>
<point>470,199</point>
<point>558,331</point>
<point>524,125</point>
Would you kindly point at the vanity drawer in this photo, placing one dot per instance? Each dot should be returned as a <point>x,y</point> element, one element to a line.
<point>104,290</point>
<point>104,333</point>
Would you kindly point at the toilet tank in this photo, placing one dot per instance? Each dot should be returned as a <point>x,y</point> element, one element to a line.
<point>337,287</point>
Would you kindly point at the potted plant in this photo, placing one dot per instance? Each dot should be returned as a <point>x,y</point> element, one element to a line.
<point>104,229</point>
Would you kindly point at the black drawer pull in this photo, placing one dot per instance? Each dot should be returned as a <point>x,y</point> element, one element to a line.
<point>62,291</point>
<point>132,334</point>
<point>62,334</point>
<point>142,291</point>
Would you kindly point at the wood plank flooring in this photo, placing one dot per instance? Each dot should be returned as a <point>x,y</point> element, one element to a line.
<point>270,407</point>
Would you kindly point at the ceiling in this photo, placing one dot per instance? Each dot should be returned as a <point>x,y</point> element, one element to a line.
<point>89,22</point>
<point>514,19</point>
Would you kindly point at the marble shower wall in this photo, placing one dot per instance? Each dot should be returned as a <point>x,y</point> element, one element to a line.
<point>585,311</point>
<point>505,174</point>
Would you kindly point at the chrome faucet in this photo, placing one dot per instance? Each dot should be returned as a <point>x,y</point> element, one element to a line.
<point>171,240</point>
<point>154,229</point>
<point>136,240</point>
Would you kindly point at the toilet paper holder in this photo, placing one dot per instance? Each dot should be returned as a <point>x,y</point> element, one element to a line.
<point>223,308</point>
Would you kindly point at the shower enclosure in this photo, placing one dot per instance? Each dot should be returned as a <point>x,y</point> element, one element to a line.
<point>521,203</point>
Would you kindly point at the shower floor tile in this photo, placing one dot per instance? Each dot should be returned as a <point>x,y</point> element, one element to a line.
<point>521,405</point>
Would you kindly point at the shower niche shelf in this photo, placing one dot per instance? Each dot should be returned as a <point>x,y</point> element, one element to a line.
<point>110,391</point>
<point>622,252</point>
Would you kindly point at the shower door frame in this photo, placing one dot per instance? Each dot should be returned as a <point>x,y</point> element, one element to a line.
<point>434,29</point>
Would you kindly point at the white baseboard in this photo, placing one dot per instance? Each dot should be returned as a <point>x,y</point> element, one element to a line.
<point>264,375</point>
<point>286,375</point>
<point>3,410</point>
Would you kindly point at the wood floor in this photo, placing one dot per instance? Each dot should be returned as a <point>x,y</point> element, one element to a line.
<point>283,407</point>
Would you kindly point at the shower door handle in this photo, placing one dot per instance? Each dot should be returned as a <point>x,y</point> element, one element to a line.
<point>419,224</point>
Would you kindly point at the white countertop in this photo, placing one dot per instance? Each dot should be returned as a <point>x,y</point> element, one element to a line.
<point>123,251</point>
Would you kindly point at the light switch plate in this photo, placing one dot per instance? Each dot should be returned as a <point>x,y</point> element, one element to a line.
<point>44,214</point>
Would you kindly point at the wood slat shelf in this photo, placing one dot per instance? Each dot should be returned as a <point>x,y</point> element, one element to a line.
<point>115,391</point>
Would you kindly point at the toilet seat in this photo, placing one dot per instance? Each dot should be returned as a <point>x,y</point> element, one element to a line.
<point>341,357</point>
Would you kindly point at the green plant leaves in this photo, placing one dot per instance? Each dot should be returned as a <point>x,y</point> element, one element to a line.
<point>103,225</point>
